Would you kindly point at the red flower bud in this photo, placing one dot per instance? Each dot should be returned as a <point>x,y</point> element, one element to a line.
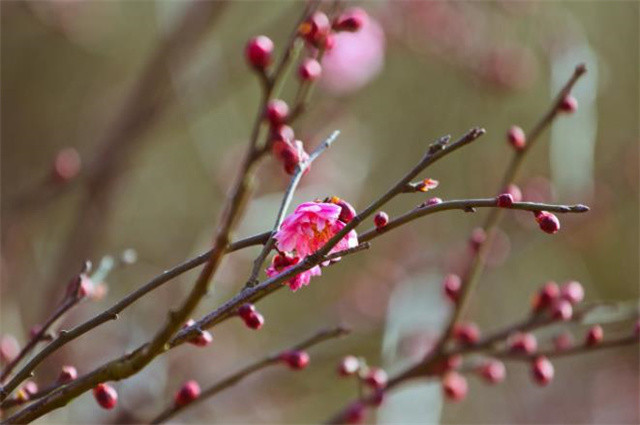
<point>542,370</point>
<point>282,132</point>
<point>246,310</point>
<point>277,112</point>
<point>381,219</point>
<point>355,413</point>
<point>378,398</point>
<point>514,191</point>
<point>348,366</point>
<point>563,341</point>
<point>315,29</point>
<point>569,104</point>
<point>478,237</point>
<point>254,320</point>
<point>466,333</point>
<point>454,386</point>
<point>504,200</point>
<point>546,296</point>
<point>573,292</point>
<point>296,359</point>
<point>594,336</point>
<point>30,387</point>
<point>548,222</point>
<point>309,70</point>
<point>562,310</point>
<point>66,165</point>
<point>433,201</point>
<point>105,395</point>
<point>452,286</point>
<point>189,391</point>
<point>351,20</point>
<point>203,339</point>
<point>517,138</point>
<point>376,378</point>
<point>447,364</point>
<point>524,343</point>
<point>259,52</point>
<point>347,212</point>
<point>67,374</point>
<point>493,371</point>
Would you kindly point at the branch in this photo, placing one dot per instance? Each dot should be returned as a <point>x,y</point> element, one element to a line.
<point>477,265</point>
<point>233,379</point>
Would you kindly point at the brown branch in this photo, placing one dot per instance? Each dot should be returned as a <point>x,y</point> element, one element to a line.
<point>477,265</point>
<point>233,379</point>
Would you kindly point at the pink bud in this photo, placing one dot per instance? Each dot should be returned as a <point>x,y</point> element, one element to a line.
<point>381,219</point>
<point>504,200</point>
<point>254,320</point>
<point>573,292</point>
<point>514,191</point>
<point>595,335</point>
<point>189,391</point>
<point>452,286</point>
<point>376,378</point>
<point>315,29</point>
<point>493,371</point>
<point>433,201</point>
<point>351,20</point>
<point>348,366</point>
<point>355,413</point>
<point>562,310</point>
<point>466,333</point>
<point>30,387</point>
<point>454,386</point>
<point>203,339</point>
<point>309,70</point>
<point>378,398</point>
<point>296,359</point>
<point>542,370</point>
<point>67,374</point>
<point>563,341</point>
<point>347,212</point>
<point>66,165</point>
<point>106,396</point>
<point>9,348</point>
<point>524,343</point>
<point>282,132</point>
<point>277,112</point>
<point>246,310</point>
<point>569,104</point>
<point>546,296</point>
<point>548,222</point>
<point>478,237</point>
<point>259,52</point>
<point>517,138</point>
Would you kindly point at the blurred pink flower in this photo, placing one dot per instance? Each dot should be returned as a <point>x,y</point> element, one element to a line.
<point>355,59</point>
<point>310,226</point>
<point>281,263</point>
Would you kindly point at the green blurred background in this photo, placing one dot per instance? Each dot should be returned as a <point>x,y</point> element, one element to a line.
<point>69,67</point>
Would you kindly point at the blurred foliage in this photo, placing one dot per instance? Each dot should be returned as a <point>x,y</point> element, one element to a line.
<point>67,66</point>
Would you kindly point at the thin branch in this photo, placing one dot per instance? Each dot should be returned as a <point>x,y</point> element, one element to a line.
<point>286,201</point>
<point>477,265</point>
<point>321,336</point>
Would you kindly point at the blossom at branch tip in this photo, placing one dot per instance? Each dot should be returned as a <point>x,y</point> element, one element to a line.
<point>427,184</point>
<point>284,262</point>
<point>310,226</point>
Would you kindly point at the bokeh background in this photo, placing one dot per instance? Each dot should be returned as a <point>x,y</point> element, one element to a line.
<point>157,160</point>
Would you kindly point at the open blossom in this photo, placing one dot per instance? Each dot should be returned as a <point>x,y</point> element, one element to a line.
<point>310,226</point>
<point>281,263</point>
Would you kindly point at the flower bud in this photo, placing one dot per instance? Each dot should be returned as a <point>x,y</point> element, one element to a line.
<point>376,378</point>
<point>493,371</point>
<point>348,366</point>
<point>259,52</point>
<point>351,20</point>
<point>452,286</point>
<point>523,342</point>
<point>573,292</point>
<point>309,70</point>
<point>504,200</point>
<point>517,138</point>
<point>347,212</point>
<point>355,413</point>
<point>381,219</point>
<point>466,333</point>
<point>569,104</point>
<point>276,112</point>
<point>454,386</point>
<point>542,370</point>
<point>433,201</point>
<point>378,398</point>
<point>254,320</point>
<point>66,165</point>
<point>282,132</point>
<point>203,339</point>
<point>67,374</point>
<point>548,222</point>
<point>105,395</point>
<point>315,29</point>
<point>9,348</point>
<point>563,341</point>
<point>189,391</point>
<point>546,296</point>
<point>562,310</point>
<point>514,191</point>
<point>478,237</point>
<point>246,310</point>
<point>595,335</point>
<point>295,359</point>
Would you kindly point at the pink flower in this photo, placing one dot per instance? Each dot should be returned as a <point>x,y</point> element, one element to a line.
<point>310,226</point>
<point>281,263</point>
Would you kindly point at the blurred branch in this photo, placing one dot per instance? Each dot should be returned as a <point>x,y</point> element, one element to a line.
<point>478,262</point>
<point>578,349</point>
<point>273,359</point>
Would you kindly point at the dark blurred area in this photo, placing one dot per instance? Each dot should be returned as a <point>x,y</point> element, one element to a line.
<point>156,160</point>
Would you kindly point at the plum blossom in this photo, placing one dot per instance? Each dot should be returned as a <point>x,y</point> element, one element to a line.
<point>310,226</point>
<point>283,262</point>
